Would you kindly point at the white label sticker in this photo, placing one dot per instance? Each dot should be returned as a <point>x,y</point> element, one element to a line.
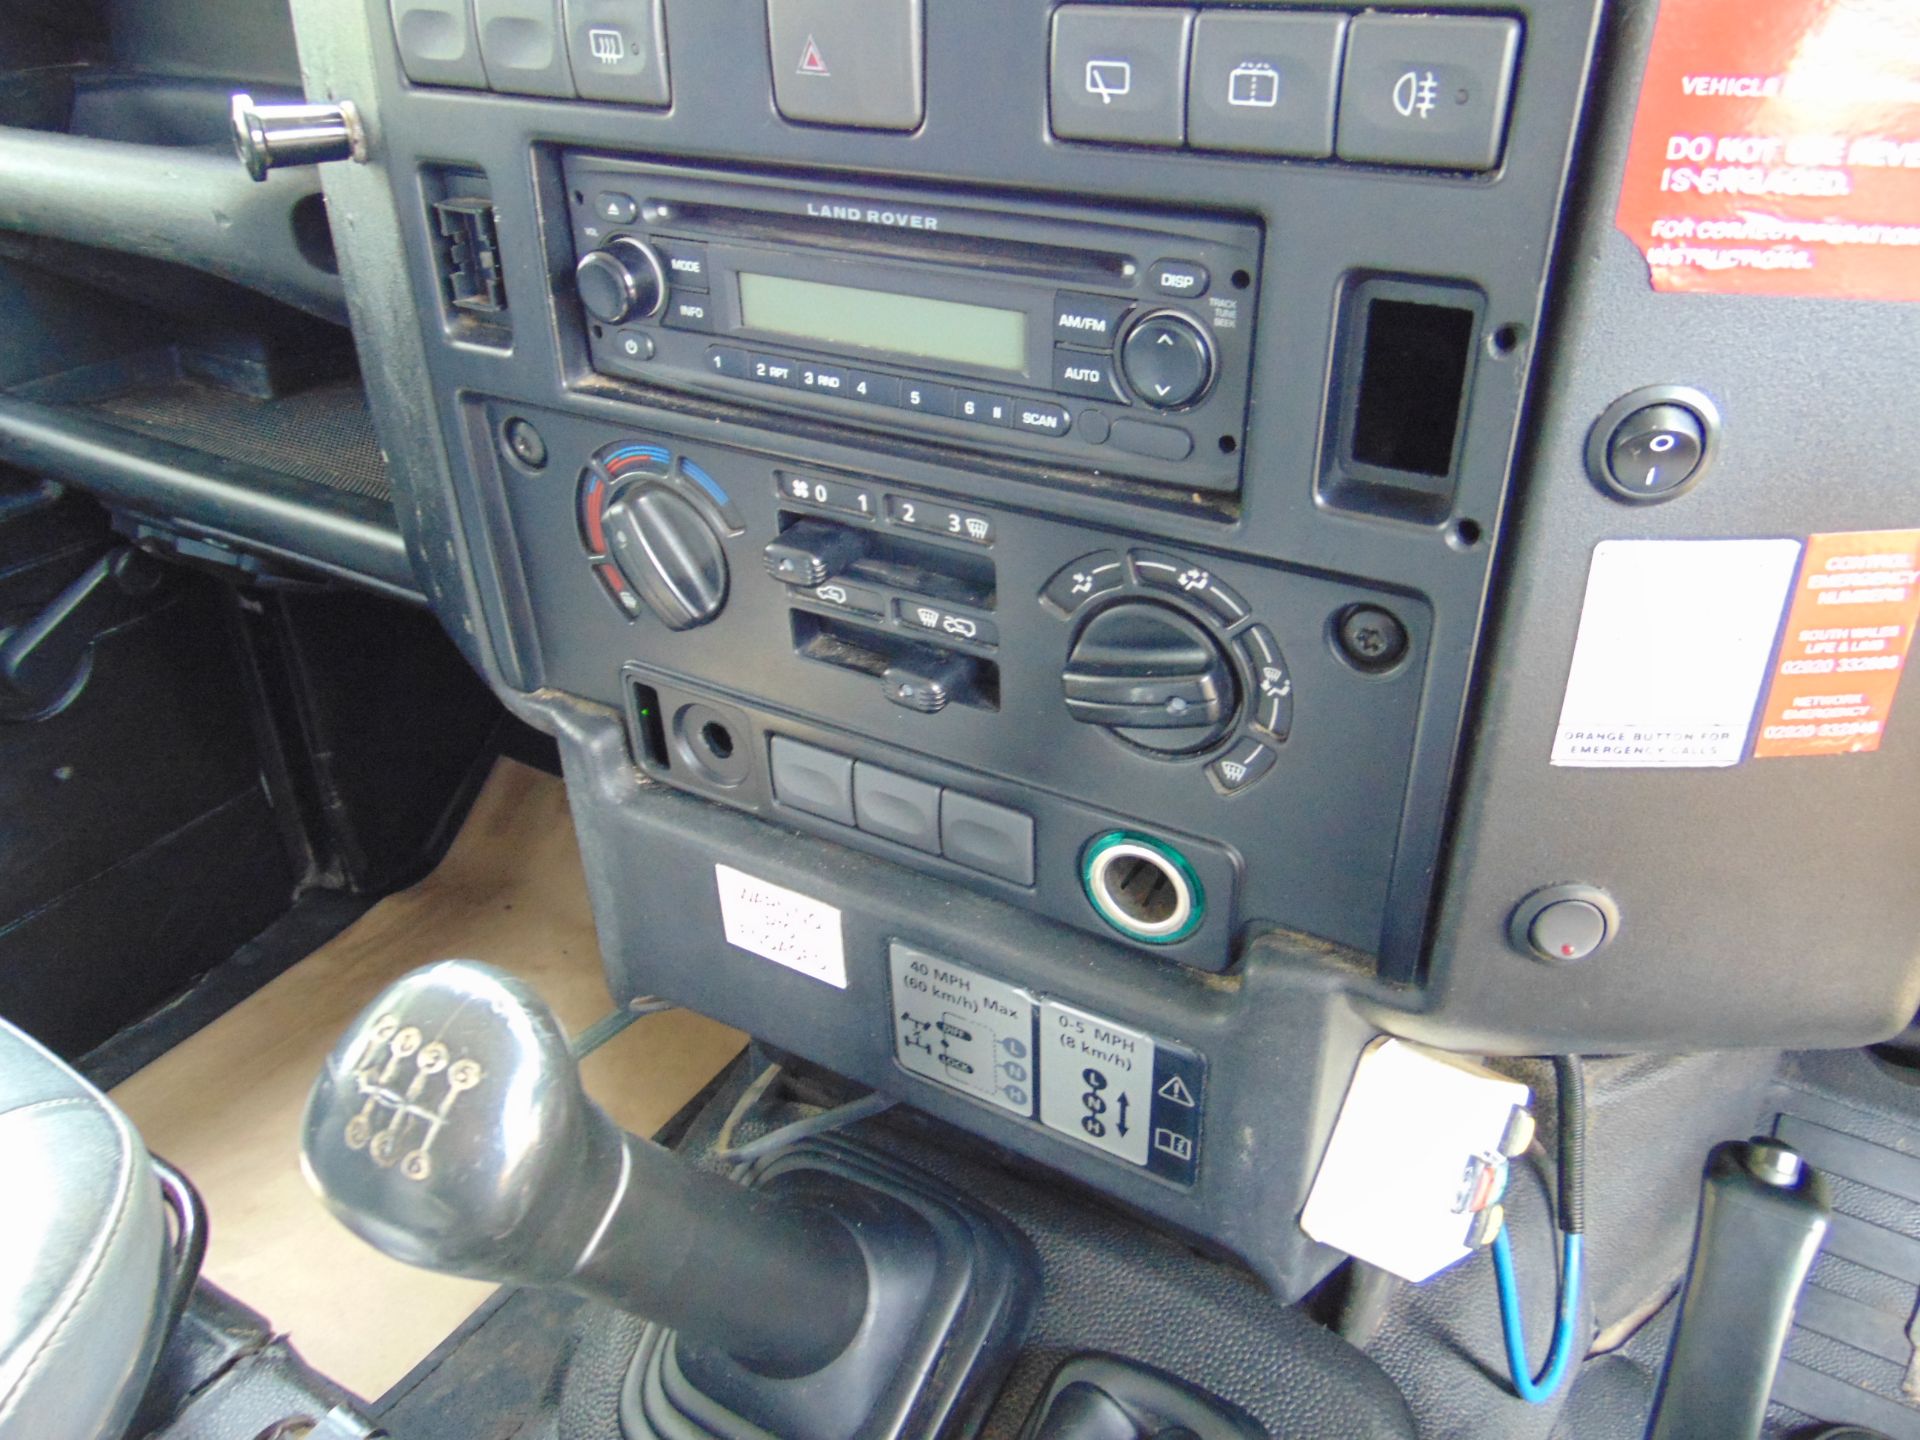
<point>963,1028</point>
<point>1098,1084</point>
<point>782,925</point>
<point>1673,646</point>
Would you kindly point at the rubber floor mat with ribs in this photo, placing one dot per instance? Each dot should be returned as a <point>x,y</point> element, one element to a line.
<point>1851,1357</point>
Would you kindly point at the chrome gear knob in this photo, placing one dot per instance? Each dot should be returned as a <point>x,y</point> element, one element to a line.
<point>450,1130</point>
<point>450,1125</point>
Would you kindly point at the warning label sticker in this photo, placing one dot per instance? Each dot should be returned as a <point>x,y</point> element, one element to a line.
<point>1776,149</point>
<point>1845,645</point>
<point>1672,652</point>
<point>782,925</point>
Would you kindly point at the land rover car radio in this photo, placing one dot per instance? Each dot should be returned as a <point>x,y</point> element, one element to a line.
<point>1070,342</point>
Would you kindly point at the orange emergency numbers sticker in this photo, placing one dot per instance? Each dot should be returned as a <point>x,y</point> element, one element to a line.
<point>1845,644</point>
<point>1776,149</point>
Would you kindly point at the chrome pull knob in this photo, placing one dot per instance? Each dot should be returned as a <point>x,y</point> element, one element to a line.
<point>268,136</point>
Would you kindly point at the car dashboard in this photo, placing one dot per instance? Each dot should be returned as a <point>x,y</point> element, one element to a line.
<point>1063,544</point>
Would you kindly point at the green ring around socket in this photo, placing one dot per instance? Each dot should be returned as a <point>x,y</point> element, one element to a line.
<point>1099,846</point>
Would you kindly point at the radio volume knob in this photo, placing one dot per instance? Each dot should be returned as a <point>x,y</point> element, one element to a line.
<point>1167,360</point>
<point>623,280</point>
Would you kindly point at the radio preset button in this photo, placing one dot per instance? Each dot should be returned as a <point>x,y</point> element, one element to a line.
<point>1078,372</point>
<point>925,398</point>
<point>1041,418</point>
<point>1156,442</point>
<point>1179,277</point>
<point>688,312</point>
<point>1167,360</point>
<point>772,370</point>
<point>939,519</point>
<point>873,389</point>
<point>1086,580</point>
<point>984,408</point>
<point>730,361</point>
<point>686,263</point>
<point>827,379</point>
<point>944,623</point>
<point>1081,319</point>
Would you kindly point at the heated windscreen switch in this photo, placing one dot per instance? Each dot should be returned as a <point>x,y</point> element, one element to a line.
<point>812,552</point>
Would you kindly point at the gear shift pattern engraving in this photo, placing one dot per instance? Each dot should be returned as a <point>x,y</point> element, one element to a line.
<point>387,1048</point>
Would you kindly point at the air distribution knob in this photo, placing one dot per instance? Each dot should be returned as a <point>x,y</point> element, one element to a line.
<point>669,553</point>
<point>1153,676</point>
<point>621,281</point>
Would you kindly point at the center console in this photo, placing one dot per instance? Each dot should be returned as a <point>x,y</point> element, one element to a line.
<point>997,502</point>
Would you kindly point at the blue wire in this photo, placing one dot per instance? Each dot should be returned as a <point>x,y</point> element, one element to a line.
<point>1538,1389</point>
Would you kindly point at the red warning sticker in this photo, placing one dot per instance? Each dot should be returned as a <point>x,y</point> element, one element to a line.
<point>1776,150</point>
<point>1845,645</point>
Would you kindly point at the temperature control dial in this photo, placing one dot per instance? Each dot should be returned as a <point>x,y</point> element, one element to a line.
<point>622,281</point>
<point>669,554</point>
<point>654,526</point>
<point>1167,360</point>
<point>1153,676</point>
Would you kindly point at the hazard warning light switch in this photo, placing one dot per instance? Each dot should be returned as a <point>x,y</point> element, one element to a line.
<point>841,64</point>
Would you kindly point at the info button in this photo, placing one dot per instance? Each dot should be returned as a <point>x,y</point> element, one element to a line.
<point>688,312</point>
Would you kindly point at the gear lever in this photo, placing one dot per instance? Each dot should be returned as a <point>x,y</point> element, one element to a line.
<point>845,1296</point>
<point>450,1130</point>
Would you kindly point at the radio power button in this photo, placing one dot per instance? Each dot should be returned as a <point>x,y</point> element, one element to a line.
<point>1167,360</point>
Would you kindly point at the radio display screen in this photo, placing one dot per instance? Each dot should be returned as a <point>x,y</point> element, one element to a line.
<point>909,325</point>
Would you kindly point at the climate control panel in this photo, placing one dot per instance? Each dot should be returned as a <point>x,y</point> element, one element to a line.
<point>1135,737</point>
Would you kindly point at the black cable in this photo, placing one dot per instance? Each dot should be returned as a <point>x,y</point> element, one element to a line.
<point>1571,1083</point>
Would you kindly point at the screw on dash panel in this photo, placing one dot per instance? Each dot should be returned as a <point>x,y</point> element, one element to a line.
<point>1370,638</point>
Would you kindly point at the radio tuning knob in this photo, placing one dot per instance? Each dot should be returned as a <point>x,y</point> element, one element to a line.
<point>1167,360</point>
<point>623,280</point>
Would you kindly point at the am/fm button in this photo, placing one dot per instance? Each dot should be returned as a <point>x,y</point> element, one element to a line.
<point>1091,320</point>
